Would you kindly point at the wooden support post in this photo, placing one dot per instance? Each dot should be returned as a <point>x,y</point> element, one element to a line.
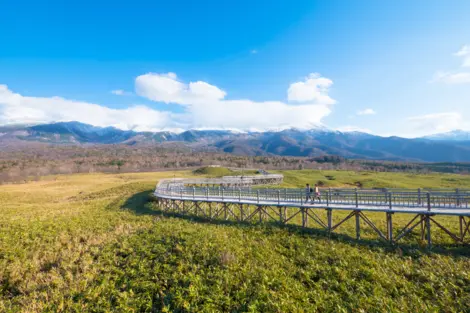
<point>389,227</point>
<point>329,216</point>
<point>242,215</point>
<point>461,227</point>
<point>210,209</point>
<point>225,211</point>
<point>428,231</point>
<point>281,216</point>
<point>423,233</point>
<point>304,216</point>
<point>358,225</point>
<point>260,211</point>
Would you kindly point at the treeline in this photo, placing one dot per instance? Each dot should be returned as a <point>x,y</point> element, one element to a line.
<point>32,162</point>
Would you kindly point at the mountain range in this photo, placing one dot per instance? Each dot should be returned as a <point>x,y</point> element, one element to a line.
<point>447,147</point>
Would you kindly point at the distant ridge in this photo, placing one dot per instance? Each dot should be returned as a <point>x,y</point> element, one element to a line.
<point>447,147</point>
<point>455,135</point>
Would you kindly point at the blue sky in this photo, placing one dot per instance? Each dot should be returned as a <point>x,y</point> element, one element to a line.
<point>388,67</point>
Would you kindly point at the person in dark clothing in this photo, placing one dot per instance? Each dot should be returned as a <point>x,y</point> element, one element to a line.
<point>308,193</point>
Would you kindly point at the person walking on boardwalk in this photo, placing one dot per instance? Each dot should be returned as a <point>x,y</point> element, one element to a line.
<point>317,193</point>
<point>308,193</point>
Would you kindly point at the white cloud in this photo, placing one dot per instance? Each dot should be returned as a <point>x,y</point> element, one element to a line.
<point>120,92</point>
<point>452,78</point>
<point>206,107</point>
<point>15,108</point>
<point>464,52</point>
<point>456,77</point>
<point>166,88</point>
<point>366,112</point>
<point>313,89</point>
<point>417,126</point>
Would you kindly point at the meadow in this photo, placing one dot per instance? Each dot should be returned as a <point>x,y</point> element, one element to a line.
<point>96,243</point>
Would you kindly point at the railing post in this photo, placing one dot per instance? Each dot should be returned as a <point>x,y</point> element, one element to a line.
<point>428,196</point>
<point>301,198</point>
<point>458,196</point>
<point>222,195</point>
<point>328,198</point>
<point>390,200</point>
<point>194,192</point>
<point>239,194</point>
<point>207,193</point>
<point>257,196</point>
<point>357,201</point>
<point>419,196</point>
<point>278,197</point>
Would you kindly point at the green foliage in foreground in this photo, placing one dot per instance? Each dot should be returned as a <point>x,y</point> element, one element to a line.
<point>93,243</point>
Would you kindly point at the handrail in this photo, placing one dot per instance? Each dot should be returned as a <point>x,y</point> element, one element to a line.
<point>238,189</point>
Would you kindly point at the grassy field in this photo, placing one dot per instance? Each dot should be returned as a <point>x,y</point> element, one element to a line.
<point>94,243</point>
<point>365,179</point>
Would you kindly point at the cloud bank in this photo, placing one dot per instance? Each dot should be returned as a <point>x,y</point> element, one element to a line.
<point>203,106</point>
<point>206,106</point>
<point>459,76</point>
<point>417,126</point>
<point>18,109</point>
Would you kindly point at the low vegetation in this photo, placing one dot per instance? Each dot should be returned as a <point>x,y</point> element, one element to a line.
<point>95,243</point>
<point>219,171</point>
<point>22,163</point>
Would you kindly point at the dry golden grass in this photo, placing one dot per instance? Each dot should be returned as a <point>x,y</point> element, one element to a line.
<point>93,243</point>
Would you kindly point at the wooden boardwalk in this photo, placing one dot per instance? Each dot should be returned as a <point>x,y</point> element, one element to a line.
<point>240,202</point>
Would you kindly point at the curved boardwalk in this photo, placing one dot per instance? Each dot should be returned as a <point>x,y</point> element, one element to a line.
<point>232,197</point>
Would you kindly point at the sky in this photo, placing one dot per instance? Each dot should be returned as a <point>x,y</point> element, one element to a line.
<point>384,67</point>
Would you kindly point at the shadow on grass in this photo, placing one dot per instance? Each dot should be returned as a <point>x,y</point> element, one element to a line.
<point>140,203</point>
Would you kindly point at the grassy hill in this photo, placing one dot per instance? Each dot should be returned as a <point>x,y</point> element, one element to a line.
<point>94,243</point>
<point>221,171</point>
